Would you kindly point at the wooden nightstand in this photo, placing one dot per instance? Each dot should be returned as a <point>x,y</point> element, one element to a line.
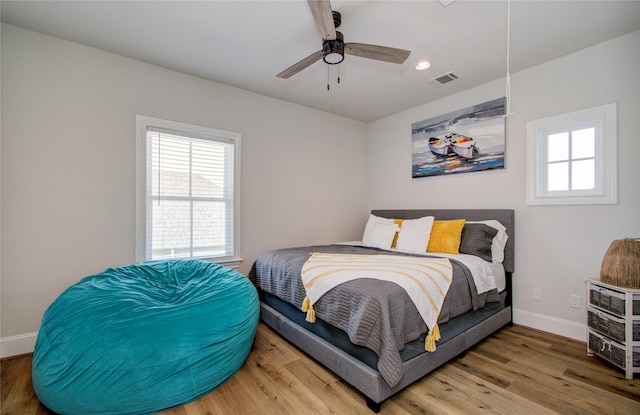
<point>614,325</point>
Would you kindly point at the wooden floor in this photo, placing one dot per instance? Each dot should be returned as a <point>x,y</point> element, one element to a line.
<point>516,371</point>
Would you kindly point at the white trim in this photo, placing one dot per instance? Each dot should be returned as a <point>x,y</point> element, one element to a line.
<point>17,345</point>
<point>141,173</point>
<point>565,328</point>
<point>605,117</point>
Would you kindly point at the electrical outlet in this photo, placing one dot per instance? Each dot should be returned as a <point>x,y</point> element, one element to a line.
<point>575,301</point>
<point>537,294</point>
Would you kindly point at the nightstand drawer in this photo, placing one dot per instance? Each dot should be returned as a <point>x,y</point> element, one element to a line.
<point>606,299</point>
<point>612,351</point>
<point>611,326</point>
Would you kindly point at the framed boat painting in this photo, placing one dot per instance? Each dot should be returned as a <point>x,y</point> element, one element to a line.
<point>467,140</point>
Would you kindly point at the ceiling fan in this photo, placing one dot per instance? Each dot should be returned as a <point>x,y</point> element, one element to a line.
<point>333,46</point>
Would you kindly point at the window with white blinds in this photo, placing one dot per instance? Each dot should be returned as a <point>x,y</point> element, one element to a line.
<point>190,191</point>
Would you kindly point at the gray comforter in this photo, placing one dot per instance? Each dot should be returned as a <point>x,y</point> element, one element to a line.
<point>375,314</point>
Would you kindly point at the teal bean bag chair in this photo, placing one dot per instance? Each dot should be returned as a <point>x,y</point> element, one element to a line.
<point>144,337</point>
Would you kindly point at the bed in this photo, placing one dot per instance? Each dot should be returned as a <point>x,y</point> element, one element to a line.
<point>368,331</point>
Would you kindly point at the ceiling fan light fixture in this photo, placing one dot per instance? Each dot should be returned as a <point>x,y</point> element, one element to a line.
<point>333,50</point>
<point>333,58</point>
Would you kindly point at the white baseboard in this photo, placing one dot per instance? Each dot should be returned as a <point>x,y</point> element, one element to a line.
<point>17,345</point>
<point>549,324</point>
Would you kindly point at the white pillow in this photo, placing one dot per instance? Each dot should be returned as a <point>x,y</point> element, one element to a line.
<point>382,234</point>
<point>369,229</point>
<point>414,234</point>
<point>499,241</point>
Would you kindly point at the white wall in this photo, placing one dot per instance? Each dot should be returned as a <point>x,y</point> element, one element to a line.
<point>68,167</point>
<point>557,247</point>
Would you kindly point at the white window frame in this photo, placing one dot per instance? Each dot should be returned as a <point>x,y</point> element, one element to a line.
<point>604,119</point>
<point>143,123</point>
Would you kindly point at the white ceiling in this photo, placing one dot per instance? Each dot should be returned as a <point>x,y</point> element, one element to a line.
<point>246,43</point>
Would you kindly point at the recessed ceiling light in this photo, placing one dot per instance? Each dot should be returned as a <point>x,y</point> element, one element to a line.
<point>422,65</point>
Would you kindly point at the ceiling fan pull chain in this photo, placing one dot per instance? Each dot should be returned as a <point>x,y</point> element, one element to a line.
<point>328,78</point>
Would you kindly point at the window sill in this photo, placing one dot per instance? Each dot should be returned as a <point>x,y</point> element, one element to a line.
<point>233,263</point>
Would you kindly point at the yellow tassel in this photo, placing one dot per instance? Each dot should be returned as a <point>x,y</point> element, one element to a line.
<point>311,315</point>
<point>306,304</point>
<point>436,332</point>
<point>430,343</point>
<point>432,338</point>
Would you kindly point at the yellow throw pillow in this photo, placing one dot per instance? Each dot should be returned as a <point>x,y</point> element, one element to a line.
<point>445,236</point>
<point>395,238</point>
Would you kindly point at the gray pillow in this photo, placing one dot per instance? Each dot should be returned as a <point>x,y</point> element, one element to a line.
<point>476,240</point>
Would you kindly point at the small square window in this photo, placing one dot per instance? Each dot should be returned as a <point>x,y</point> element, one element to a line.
<point>572,158</point>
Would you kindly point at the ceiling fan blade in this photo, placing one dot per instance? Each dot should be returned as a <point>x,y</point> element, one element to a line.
<point>297,67</point>
<point>321,10</point>
<point>379,53</point>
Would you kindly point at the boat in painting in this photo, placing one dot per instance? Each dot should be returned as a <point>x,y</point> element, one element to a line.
<point>462,145</point>
<point>459,144</point>
<point>439,145</point>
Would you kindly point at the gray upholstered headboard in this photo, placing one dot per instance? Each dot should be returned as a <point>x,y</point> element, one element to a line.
<point>505,216</point>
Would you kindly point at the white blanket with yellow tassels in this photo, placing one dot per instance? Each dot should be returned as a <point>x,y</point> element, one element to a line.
<point>426,280</point>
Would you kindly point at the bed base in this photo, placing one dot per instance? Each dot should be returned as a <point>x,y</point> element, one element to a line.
<point>368,380</point>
